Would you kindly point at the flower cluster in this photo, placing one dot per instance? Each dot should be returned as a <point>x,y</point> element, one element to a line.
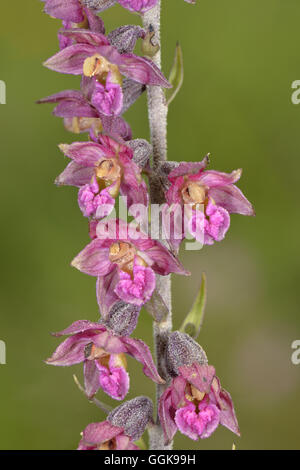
<point>127,262</point>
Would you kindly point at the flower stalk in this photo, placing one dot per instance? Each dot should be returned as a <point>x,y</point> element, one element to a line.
<point>158,112</point>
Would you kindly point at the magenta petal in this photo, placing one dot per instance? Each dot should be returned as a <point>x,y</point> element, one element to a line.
<point>111,343</point>
<point>201,376</point>
<point>140,351</point>
<point>84,153</point>
<point>70,351</point>
<point>188,423</point>
<point>224,401</point>
<point>188,168</point>
<point>85,36</point>
<point>138,290</point>
<point>71,59</point>
<point>140,6</point>
<point>213,178</point>
<point>97,433</point>
<point>94,259</point>
<point>166,412</point>
<point>232,199</point>
<point>91,378</point>
<point>105,290</point>
<point>108,99</point>
<point>75,175</point>
<point>114,381</point>
<point>164,262</point>
<point>142,70</point>
<point>80,326</point>
<point>70,10</point>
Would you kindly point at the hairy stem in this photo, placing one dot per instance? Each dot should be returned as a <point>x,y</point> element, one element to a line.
<point>158,110</point>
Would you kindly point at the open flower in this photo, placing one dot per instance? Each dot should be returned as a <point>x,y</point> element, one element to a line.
<point>101,170</point>
<point>92,55</point>
<point>195,404</point>
<point>210,197</point>
<point>103,355</point>
<point>125,261</point>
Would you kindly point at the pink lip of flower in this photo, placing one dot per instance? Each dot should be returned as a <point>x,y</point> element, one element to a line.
<point>102,352</point>
<point>117,253</point>
<point>177,408</point>
<point>105,436</point>
<point>87,157</point>
<point>89,44</point>
<point>216,192</point>
<point>108,99</point>
<point>94,202</point>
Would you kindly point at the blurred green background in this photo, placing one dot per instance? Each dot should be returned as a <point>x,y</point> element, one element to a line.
<point>240,60</point>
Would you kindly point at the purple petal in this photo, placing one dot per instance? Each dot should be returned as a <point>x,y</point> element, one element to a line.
<point>140,351</point>
<point>91,378</point>
<point>70,351</point>
<point>199,376</point>
<point>166,412</point>
<point>213,178</point>
<point>142,70</point>
<point>232,199</point>
<point>163,262</point>
<point>105,291</point>
<point>96,433</point>
<point>85,36</point>
<point>84,153</point>
<point>225,404</point>
<point>75,175</point>
<point>71,59</point>
<point>189,168</point>
<point>114,381</point>
<point>70,10</point>
<point>79,326</point>
<point>139,289</point>
<point>140,6</point>
<point>94,259</point>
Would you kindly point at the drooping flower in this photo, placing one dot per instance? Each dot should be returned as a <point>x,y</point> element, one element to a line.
<point>210,197</point>
<point>92,55</point>
<point>195,404</point>
<point>103,354</point>
<point>125,261</point>
<point>124,425</point>
<point>101,170</point>
<point>80,115</point>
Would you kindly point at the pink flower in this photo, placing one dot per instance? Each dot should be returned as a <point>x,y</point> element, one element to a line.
<point>125,262</point>
<point>195,404</point>
<point>103,355</point>
<point>104,164</point>
<point>210,197</point>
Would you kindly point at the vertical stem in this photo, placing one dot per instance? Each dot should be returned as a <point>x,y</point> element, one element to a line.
<point>158,110</point>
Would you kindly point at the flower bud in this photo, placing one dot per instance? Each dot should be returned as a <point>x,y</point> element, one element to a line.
<point>182,350</point>
<point>122,318</point>
<point>133,416</point>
